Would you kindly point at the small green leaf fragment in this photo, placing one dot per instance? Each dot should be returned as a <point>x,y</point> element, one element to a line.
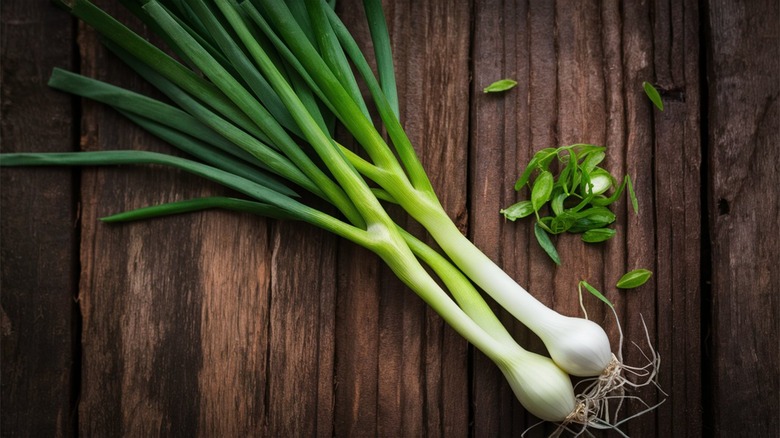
<point>534,164</point>
<point>544,241</point>
<point>566,177</point>
<point>562,223</point>
<point>653,94</point>
<point>594,217</point>
<point>597,235</point>
<point>632,195</point>
<point>500,85</point>
<point>595,292</point>
<point>542,189</point>
<point>557,203</point>
<point>592,160</point>
<point>633,279</point>
<point>519,210</point>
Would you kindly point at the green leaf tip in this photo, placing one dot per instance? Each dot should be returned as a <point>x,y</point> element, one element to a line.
<point>595,292</point>
<point>653,94</point>
<point>596,235</point>
<point>546,243</point>
<point>519,210</point>
<point>634,279</point>
<point>500,85</point>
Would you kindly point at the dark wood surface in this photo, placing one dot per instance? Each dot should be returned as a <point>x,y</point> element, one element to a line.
<point>222,324</point>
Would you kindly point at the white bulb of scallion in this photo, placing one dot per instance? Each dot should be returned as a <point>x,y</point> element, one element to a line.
<point>540,385</point>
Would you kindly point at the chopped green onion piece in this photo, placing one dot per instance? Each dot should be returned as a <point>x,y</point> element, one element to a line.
<point>544,241</point>
<point>653,94</point>
<point>500,85</point>
<point>518,210</point>
<point>596,235</point>
<point>595,292</point>
<point>542,190</point>
<point>633,279</point>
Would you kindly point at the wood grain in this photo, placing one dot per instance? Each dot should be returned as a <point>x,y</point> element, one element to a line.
<point>580,66</point>
<point>401,371</point>
<point>743,125</point>
<point>142,291</point>
<point>38,234</point>
<point>677,133</point>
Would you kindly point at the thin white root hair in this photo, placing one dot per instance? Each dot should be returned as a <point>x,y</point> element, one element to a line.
<point>601,398</point>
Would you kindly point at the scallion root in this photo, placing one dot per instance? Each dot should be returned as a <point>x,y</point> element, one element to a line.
<point>601,399</point>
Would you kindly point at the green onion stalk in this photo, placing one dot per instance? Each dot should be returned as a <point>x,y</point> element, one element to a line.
<point>275,78</point>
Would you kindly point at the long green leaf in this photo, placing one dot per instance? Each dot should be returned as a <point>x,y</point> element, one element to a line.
<point>349,112</point>
<point>246,69</point>
<point>143,106</point>
<point>380,38</point>
<point>384,104</point>
<point>244,100</point>
<point>137,9</point>
<point>353,185</point>
<point>209,155</point>
<point>199,204</point>
<point>165,65</point>
<point>332,52</point>
<point>102,158</point>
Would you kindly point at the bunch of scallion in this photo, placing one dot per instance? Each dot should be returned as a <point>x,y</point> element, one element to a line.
<point>257,94</point>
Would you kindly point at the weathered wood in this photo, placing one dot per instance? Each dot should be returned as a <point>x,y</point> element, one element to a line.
<point>38,233</point>
<point>142,289</point>
<point>580,66</point>
<point>743,122</point>
<point>175,332</point>
<point>505,44</point>
<point>401,371</point>
<point>677,180</point>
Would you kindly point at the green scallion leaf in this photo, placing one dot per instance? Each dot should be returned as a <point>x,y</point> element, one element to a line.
<point>519,210</point>
<point>595,292</point>
<point>596,235</point>
<point>633,279</point>
<point>653,94</point>
<point>500,85</point>
<point>544,241</point>
<point>542,189</point>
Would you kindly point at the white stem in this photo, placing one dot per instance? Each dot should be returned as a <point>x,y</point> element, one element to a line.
<point>579,346</point>
<point>540,385</point>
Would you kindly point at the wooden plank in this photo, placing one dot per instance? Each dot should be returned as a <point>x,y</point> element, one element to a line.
<point>401,371</point>
<point>580,66</point>
<point>434,87</point>
<point>176,331</point>
<point>504,38</point>
<point>142,292</point>
<point>678,218</point>
<point>38,251</point>
<point>743,122</point>
<point>280,399</point>
<point>638,307</point>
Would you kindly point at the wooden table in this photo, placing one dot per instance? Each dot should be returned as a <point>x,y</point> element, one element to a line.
<point>220,324</point>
